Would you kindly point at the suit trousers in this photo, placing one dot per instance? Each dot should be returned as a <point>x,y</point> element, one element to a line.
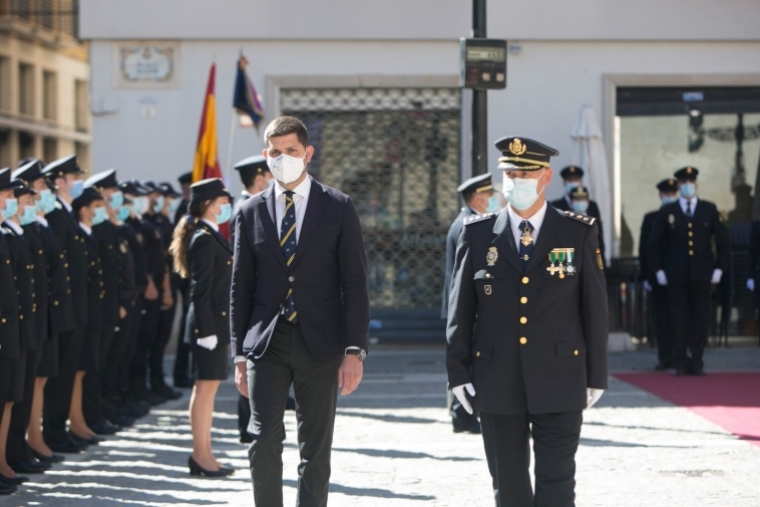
<point>663,320</point>
<point>288,361</point>
<point>555,442</point>
<point>123,380</point>
<point>16,448</point>
<point>92,384</point>
<point>151,313</point>
<point>690,303</point>
<point>164,332</point>
<point>58,389</point>
<point>117,353</point>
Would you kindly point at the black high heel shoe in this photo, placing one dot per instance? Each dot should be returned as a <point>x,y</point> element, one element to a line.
<point>196,469</point>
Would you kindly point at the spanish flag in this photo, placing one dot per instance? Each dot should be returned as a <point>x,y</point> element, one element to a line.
<point>206,163</point>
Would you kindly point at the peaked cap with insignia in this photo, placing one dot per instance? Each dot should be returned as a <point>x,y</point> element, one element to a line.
<point>20,188</point>
<point>5,179</point>
<point>523,154</point>
<point>129,187</point>
<point>62,167</point>
<point>668,185</point>
<point>208,189</point>
<point>169,190</point>
<point>256,164</point>
<point>29,172</point>
<point>89,195</point>
<point>101,180</point>
<point>477,184</point>
<point>572,171</point>
<point>185,178</point>
<point>686,174</point>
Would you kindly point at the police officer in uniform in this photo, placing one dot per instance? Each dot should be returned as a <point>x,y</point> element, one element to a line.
<point>527,330</point>
<point>572,178</point>
<point>659,304</point>
<point>181,371</point>
<point>680,250</point>
<point>477,194</point>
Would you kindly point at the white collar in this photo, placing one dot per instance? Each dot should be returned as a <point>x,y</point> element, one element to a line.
<point>65,205</point>
<point>16,228</point>
<point>211,224</point>
<point>42,220</point>
<point>86,229</point>
<point>536,220</point>
<point>302,190</point>
<point>683,200</point>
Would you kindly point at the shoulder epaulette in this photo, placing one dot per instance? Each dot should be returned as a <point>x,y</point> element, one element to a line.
<point>478,218</point>
<point>581,218</point>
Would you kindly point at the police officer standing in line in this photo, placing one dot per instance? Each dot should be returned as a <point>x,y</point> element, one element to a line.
<point>680,250</point>
<point>572,178</point>
<point>181,371</point>
<point>659,302</point>
<point>478,196</point>
<point>754,256</point>
<point>527,330</point>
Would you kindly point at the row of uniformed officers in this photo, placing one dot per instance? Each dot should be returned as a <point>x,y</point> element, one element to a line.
<point>87,301</point>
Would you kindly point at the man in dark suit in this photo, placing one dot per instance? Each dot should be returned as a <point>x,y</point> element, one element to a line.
<point>680,250</point>
<point>572,178</point>
<point>659,304</point>
<point>478,196</point>
<point>527,330</point>
<point>299,311</point>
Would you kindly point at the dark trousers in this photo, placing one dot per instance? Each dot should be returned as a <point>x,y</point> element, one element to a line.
<point>690,303</point>
<point>460,418</point>
<point>58,389</point>
<point>92,384</point>
<point>151,312</point>
<point>287,361</point>
<point>16,448</point>
<point>244,415</point>
<point>123,381</point>
<point>117,354</point>
<point>182,359</point>
<point>555,442</point>
<point>157,350</point>
<point>663,321</point>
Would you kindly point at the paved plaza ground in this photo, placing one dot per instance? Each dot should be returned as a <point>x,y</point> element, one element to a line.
<point>394,447</point>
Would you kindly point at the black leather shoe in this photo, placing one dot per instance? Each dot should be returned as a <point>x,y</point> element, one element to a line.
<point>150,397</point>
<point>291,404</point>
<point>167,392</point>
<point>14,481</point>
<point>54,458</point>
<point>473,427</point>
<point>30,466</point>
<point>105,428</point>
<point>123,421</point>
<point>66,447</point>
<point>86,441</point>
<point>196,469</point>
<point>7,489</point>
<point>184,383</point>
<point>246,439</point>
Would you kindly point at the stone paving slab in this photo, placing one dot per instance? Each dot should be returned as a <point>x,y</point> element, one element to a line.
<point>394,447</point>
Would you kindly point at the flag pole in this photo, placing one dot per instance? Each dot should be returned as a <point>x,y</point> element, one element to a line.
<point>230,145</point>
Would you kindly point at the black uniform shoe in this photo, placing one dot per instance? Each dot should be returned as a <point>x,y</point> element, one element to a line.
<point>30,466</point>
<point>84,441</point>
<point>105,428</point>
<point>167,392</point>
<point>54,458</point>
<point>66,447</point>
<point>246,438</point>
<point>13,481</point>
<point>151,397</point>
<point>473,427</point>
<point>196,469</point>
<point>7,489</point>
<point>681,372</point>
<point>184,383</point>
<point>291,404</point>
<point>124,421</point>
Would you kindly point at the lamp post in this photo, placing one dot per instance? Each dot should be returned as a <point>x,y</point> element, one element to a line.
<point>479,99</point>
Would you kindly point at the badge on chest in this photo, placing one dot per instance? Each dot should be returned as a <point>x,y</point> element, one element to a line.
<point>561,262</point>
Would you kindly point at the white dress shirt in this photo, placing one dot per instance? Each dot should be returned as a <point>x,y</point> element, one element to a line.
<point>535,222</point>
<point>65,205</point>
<point>211,224</point>
<point>16,228</point>
<point>683,201</point>
<point>86,229</point>
<point>43,221</point>
<point>300,200</point>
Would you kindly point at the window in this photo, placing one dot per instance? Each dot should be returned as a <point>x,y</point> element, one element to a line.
<point>50,149</point>
<point>50,95</point>
<point>5,148</point>
<point>5,83</point>
<point>26,89</point>
<point>25,145</point>
<point>83,156</point>
<point>82,106</point>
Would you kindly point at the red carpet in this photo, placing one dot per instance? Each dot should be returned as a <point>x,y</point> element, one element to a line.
<point>730,400</point>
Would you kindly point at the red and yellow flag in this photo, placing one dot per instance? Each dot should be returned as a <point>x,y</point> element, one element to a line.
<point>206,163</point>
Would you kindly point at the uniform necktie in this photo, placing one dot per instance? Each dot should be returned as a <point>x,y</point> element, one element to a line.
<point>288,245</point>
<point>688,209</point>
<point>526,243</point>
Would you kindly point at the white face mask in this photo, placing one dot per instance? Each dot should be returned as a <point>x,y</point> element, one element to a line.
<point>286,169</point>
<point>521,193</point>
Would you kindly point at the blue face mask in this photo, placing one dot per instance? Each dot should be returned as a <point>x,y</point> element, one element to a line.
<point>494,204</point>
<point>77,188</point>
<point>225,212</point>
<point>100,216</point>
<point>521,193</point>
<point>116,200</point>
<point>270,183</point>
<point>668,199</point>
<point>123,213</point>
<point>140,205</point>
<point>580,207</point>
<point>11,207</point>
<point>46,203</point>
<point>173,207</point>
<point>159,204</point>
<point>28,216</point>
<point>570,186</point>
<point>688,190</point>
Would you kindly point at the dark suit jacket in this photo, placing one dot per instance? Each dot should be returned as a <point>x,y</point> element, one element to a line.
<point>328,275</point>
<point>646,229</point>
<point>210,259</point>
<point>23,269</point>
<point>593,211</point>
<point>529,341</point>
<point>106,235</point>
<point>10,341</point>
<point>451,247</point>
<point>686,253</point>
<point>61,317</point>
<point>39,282</point>
<point>754,249</point>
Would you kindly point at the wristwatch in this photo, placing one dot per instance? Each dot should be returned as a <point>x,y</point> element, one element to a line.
<point>361,354</point>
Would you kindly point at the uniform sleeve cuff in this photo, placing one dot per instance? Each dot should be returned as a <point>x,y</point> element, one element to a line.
<point>240,359</point>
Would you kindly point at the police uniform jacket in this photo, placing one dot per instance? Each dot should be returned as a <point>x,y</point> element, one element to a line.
<point>529,341</point>
<point>686,254</point>
<point>646,229</point>
<point>39,282</point>
<point>209,257</point>
<point>10,341</point>
<point>592,212</point>
<point>61,317</point>
<point>70,236</point>
<point>451,247</point>
<point>95,285</point>
<point>106,235</point>
<point>754,248</point>
<point>133,232</point>
<point>127,280</point>
<point>155,250</point>
<point>23,270</point>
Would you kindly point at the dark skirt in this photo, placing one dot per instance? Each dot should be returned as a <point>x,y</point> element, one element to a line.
<point>211,364</point>
<point>90,355</point>
<point>12,373</point>
<point>49,361</point>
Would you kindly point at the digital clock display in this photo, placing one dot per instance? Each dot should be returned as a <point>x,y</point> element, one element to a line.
<point>485,54</point>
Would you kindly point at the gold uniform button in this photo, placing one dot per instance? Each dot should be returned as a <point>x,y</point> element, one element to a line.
<point>523,320</point>
<point>3,321</point>
<point>575,352</point>
<point>691,252</point>
<point>488,275</point>
<point>229,262</point>
<point>690,225</point>
<point>224,314</point>
<point>523,340</point>
<point>691,234</point>
<point>110,247</point>
<point>21,317</point>
<point>39,252</point>
<point>525,279</point>
<point>691,243</point>
<point>477,354</point>
<point>524,300</point>
<point>55,303</point>
<point>60,256</point>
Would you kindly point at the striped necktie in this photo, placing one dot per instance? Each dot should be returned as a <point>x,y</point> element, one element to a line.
<point>526,243</point>
<point>288,245</point>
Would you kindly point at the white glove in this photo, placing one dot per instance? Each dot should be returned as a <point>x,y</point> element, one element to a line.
<point>717,274</point>
<point>751,284</point>
<point>647,286</point>
<point>661,278</point>
<point>459,393</point>
<point>593,395</point>
<point>209,342</point>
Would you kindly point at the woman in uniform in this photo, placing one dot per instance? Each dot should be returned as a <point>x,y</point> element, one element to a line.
<point>204,256</point>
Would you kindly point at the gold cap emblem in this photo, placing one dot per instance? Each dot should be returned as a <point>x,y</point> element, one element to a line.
<point>688,170</point>
<point>572,169</point>
<point>517,147</point>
